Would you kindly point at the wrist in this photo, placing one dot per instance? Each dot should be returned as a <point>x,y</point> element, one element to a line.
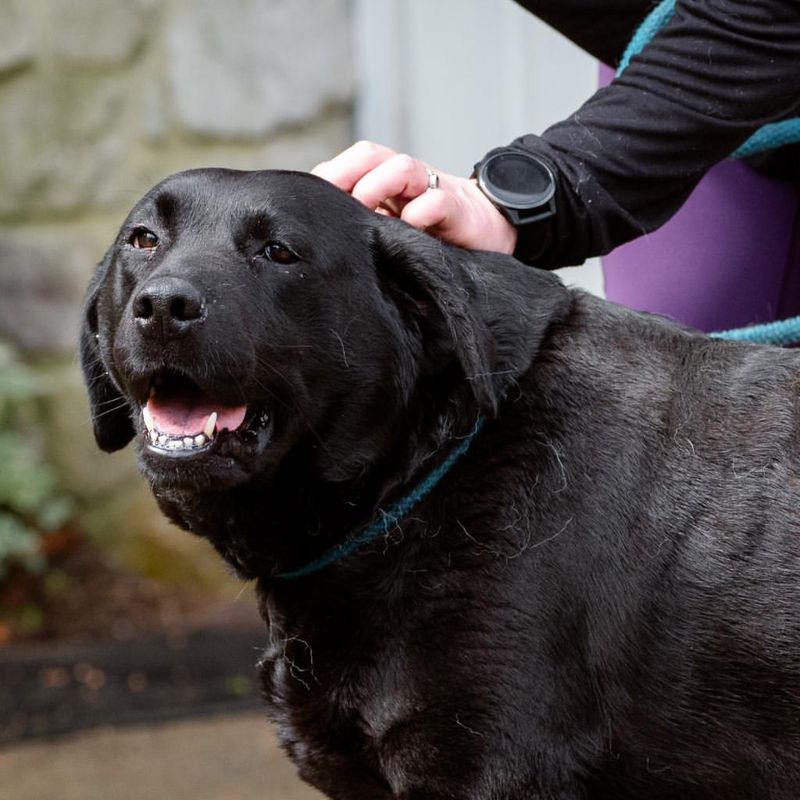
<point>500,234</point>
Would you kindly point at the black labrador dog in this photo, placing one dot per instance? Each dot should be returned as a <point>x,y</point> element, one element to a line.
<point>511,541</point>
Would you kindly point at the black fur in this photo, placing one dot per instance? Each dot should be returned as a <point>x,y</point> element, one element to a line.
<point>599,602</point>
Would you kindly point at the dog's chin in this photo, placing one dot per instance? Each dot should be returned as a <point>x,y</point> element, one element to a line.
<point>231,458</point>
<point>228,459</point>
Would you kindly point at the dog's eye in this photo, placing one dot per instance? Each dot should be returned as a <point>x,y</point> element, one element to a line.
<point>143,239</point>
<point>280,253</point>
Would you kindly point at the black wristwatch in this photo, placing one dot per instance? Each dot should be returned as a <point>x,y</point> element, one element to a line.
<point>521,186</point>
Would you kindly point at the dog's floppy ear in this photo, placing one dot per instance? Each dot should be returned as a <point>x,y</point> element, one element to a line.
<point>430,280</point>
<point>110,413</point>
<point>494,310</point>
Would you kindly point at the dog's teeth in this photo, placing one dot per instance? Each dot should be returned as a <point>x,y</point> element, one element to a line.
<point>152,391</point>
<point>169,442</point>
<point>211,423</point>
<point>148,419</point>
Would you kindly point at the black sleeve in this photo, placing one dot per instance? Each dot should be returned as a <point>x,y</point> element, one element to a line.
<point>629,157</point>
<point>602,28</point>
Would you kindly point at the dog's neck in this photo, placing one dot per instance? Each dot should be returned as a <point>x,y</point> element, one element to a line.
<point>387,518</point>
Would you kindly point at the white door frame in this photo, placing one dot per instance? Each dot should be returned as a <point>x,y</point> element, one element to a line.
<point>446,80</point>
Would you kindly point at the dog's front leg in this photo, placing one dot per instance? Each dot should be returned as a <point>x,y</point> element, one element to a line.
<point>517,793</point>
<point>432,761</point>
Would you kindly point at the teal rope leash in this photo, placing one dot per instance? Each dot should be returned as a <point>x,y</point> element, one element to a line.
<point>389,518</point>
<point>776,134</point>
<point>784,332</point>
<point>653,22</point>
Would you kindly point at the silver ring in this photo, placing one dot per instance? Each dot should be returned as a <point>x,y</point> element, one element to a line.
<point>433,180</point>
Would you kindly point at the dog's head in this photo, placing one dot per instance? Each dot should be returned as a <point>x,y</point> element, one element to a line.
<point>242,318</point>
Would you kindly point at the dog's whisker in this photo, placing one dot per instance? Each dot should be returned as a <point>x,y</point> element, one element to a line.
<point>113,400</point>
<point>105,412</point>
<point>92,362</point>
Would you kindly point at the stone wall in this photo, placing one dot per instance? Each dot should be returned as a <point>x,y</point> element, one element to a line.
<point>100,99</point>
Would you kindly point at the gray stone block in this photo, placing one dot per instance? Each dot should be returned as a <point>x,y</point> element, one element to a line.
<point>61,141</point>
<point>240,69</point>
<point>43,276</point>
<point>17,44</point>
<point>99,32</point>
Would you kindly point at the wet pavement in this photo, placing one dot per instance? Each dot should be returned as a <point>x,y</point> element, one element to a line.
<point>170,716</point>
<point>230,757</point>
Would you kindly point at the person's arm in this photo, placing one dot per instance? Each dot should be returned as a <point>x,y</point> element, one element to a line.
<point>627,160</point>
<point>602,28</point>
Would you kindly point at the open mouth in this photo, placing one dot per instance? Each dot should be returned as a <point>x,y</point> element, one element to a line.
<point>179,417</point>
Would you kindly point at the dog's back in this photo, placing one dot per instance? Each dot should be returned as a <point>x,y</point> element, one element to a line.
<point>601,599</point>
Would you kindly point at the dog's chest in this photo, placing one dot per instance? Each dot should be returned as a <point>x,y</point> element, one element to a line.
<point>334,698</point>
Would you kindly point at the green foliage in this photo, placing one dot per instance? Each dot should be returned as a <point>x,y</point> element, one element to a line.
<point>30,502</point>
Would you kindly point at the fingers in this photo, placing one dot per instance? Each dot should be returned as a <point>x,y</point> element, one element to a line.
<point>376,175</point>
<point>346,169</point>
<point>397,185</point>
<point>460,214</point>
<point>398,179</point>
<point>430,210</point>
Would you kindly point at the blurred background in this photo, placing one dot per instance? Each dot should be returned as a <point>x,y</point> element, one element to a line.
<point>127,652</point>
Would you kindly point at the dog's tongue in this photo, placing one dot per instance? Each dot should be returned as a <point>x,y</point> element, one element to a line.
<point>189,415</point>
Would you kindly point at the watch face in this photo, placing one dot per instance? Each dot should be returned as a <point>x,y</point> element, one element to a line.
<point>517,180</point>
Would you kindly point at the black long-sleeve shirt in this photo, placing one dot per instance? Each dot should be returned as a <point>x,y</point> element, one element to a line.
<point>628,158</point>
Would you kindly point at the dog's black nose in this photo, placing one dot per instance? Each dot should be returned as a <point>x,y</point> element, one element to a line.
<point>168,307</point>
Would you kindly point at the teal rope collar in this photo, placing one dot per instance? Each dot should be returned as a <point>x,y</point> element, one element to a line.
<point>389,518</point>
<point>776,134</point>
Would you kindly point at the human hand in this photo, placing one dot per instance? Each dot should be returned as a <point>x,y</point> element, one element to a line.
<point>457,211</point>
